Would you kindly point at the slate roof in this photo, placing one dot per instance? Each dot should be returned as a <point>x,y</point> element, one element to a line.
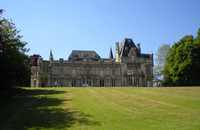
<point>84,55</point>
<point>145,55</point>
<point>126,45</point>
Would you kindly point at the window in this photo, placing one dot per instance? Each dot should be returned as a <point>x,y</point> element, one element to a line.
<point>101,83</point>
<point>113,82</point>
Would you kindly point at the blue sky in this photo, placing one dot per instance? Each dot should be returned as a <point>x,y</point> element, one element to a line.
<point>65,25</point>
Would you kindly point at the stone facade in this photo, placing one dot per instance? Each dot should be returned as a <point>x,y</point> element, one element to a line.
<point>130,67</point>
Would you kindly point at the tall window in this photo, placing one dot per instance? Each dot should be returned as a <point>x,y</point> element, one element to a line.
<point>73,83</point>
<point>101,83</point>
<point>113,82</point>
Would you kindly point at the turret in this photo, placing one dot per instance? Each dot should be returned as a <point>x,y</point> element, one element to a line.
<point>111,54</point>
<point>51,56</point>
<point>117,52</point>
<point>139,48</point>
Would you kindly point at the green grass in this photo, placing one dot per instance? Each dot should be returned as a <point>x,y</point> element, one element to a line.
<point>102,109</point>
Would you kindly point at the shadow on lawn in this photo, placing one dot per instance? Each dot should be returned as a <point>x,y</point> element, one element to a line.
<point>31,109</point>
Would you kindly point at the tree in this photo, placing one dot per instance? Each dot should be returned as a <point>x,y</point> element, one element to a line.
<point>160,60</point>
<point>14,66</point>
<point>182,64</point>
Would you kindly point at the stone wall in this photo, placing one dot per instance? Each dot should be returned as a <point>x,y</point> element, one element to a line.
<point>90,74</point>
<point>85,74</point>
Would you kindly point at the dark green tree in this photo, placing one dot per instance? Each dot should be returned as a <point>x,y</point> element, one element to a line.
<point>14,67</point>
<point>182,64</point>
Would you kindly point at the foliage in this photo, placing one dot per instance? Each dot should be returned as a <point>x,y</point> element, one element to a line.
<point>182,65</point>
<point>160,61</point>
<point>14,66</point>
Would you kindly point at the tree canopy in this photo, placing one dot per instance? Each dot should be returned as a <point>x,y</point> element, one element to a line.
<point>14,65</point>
<point>183,62</point>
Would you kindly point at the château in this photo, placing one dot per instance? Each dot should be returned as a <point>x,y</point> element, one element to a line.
<point>129,67</point>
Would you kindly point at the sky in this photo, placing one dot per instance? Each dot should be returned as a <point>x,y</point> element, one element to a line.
<point>66,25</point>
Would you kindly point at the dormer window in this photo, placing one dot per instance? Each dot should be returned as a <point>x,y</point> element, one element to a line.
<point>129,41</point>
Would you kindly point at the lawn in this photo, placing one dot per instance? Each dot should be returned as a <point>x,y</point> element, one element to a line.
<point>102,109</point>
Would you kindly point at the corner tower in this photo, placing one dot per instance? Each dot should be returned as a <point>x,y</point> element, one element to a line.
<point>35,70</point>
